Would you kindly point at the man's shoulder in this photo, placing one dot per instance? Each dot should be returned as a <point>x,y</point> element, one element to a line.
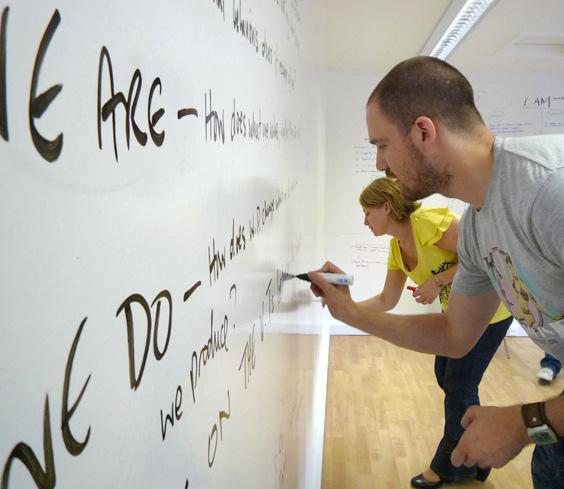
<point>546,151</point>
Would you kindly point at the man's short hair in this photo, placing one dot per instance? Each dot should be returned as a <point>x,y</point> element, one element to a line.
<point>426,86</point>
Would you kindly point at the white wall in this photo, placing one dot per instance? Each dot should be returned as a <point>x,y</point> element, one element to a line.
<point>90,226</point>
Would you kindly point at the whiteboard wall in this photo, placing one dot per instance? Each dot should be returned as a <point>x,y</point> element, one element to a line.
<point>160,170</point>
<point>512,104</point>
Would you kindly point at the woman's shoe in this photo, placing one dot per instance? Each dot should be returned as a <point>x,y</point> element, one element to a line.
<point>420,481</point>
<point>483,474</point>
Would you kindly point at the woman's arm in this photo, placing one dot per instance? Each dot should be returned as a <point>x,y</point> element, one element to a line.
<point>449,239</point>
<point>449,242</point>
<point>390,295</point>
<point>428,291</point>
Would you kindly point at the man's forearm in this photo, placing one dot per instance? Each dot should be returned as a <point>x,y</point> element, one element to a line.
<point>426,333</point>
<point>450,334</point>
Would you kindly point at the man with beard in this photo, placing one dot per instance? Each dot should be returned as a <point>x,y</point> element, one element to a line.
<point>431,137</point>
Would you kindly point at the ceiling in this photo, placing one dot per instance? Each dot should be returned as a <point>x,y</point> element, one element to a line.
<point>513,35</point>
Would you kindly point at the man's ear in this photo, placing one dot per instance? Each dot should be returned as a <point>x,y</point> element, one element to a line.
<point>423,131</point>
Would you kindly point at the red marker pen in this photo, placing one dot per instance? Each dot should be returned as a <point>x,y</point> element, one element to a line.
<point>410,287</point>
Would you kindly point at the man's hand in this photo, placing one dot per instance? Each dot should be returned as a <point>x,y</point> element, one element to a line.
<point>492,438</point>
<point>336,297</point>
<point>427,292</point>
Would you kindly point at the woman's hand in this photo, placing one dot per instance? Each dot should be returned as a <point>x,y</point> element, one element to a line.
<point>427,292</point>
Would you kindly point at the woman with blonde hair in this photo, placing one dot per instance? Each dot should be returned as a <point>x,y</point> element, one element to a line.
<point>423,248</point>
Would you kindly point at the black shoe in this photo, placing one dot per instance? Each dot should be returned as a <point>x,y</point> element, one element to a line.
<point>420,481</point>
<point>483,474</point>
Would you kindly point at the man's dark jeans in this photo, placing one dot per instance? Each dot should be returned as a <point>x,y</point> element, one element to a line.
<point>547,466</point>
<point>459,379</point>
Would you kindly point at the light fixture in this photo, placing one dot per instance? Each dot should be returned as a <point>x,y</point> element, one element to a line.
<point>459,20</point>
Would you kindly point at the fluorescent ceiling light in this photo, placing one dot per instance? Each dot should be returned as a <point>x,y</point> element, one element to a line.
<point>460,20</point>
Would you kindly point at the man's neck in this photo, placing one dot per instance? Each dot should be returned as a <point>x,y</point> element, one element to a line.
<point>472,168</point>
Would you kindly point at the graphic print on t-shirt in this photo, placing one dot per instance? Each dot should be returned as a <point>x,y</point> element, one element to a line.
<point>518,298</point>
<point>445,289</point>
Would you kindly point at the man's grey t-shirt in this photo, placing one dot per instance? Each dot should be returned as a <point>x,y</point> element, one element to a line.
<point>515,242</point>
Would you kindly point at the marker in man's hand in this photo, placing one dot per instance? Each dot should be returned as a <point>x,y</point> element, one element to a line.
<point>332,278</point>
<point>410,287</point>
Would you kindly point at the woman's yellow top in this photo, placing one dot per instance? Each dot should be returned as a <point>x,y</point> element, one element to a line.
<point>428,227</point>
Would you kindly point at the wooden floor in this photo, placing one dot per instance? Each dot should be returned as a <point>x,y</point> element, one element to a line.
<point>384,413</point>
